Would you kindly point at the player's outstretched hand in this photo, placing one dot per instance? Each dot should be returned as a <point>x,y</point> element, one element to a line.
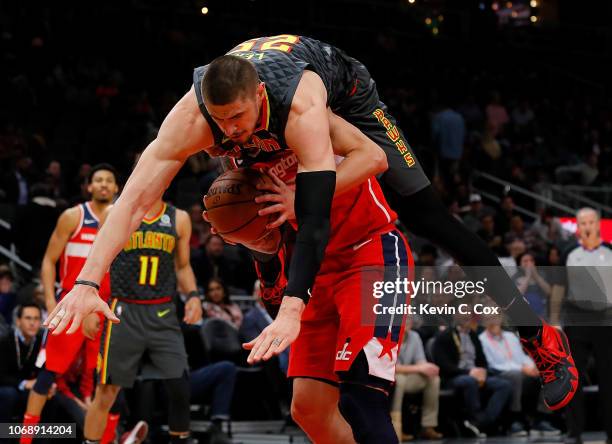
<point>78,303</point>
<point>281,199</point>
<point>274,339</point>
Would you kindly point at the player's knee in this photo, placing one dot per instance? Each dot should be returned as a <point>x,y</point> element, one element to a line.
<point>44,381</point>
<point>106,395</point>
<point>306,410</point>
<point>366,410</point>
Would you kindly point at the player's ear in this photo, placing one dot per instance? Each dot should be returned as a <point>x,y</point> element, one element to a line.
<point>261,87</point>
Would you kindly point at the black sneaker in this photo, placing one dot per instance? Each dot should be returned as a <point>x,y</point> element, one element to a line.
<point>545,428</point>
<point>559,376</point>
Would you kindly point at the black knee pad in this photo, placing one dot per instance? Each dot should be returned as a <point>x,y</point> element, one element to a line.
<point>367,411</point>
<point>178,394</point>
<point>44,381</point>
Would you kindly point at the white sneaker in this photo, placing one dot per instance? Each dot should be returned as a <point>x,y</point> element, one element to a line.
<point>137,435</point>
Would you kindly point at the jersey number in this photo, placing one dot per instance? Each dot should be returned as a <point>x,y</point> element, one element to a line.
<point>144,270</point>
<point>283,42</point>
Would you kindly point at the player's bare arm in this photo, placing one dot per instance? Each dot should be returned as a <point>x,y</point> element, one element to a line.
<point>183,133</point>
<point>307,134</point>
<point>184,273</point>
<point>362,159</point>
<point>66,225</point>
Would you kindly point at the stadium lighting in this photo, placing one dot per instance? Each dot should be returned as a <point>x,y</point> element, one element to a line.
<point>533,19</point>
<point>428,21</point>
<point>411,1</point>
<point>204,10</point>
<point>533,3</point>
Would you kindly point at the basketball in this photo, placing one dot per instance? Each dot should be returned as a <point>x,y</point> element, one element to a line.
<point>231,207</point>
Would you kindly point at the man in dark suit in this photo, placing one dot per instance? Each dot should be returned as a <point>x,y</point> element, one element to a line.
<point>463,366</point>
<point>18,364</point>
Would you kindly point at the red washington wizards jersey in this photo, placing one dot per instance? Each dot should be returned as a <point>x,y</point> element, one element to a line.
<point>77,249</point>
<point>357,215</point>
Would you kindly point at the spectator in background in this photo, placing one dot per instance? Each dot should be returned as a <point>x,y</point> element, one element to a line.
<point>200,229</point>
<point>55,181</point>
<point>497,116</point>
<point>489,234</point>
<point>34,224</point>
<point>212,263</point>
<point>463,366</point>
<point>217,303</point>
<point>505,213</point>
<point>18,353</point>
<point>506,358</point>
<point>215,383</point>
<point>518,231</point>
<point>472,219</point>
<point>413,374</point>
<point>428,254</point>
<point>8,297</point>
<point>584,173</point>
<point>472,114</point>
<point>255,320</point>
<point>522,119</point>
<point>534,287</point>
<point>448,137</point>
<point>17,182</point>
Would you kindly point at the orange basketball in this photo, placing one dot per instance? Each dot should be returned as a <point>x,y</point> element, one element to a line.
<point>231,207</point>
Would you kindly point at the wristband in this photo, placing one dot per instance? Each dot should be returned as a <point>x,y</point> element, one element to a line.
<point>88,283</point>
<point>193,294</point>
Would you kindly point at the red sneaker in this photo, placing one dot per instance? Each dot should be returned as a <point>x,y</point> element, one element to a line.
<point>559,376</point>
<point>272,288</point>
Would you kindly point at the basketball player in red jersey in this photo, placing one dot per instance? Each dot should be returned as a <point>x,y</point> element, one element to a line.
<point>69,244</point>
<point>272,94</point>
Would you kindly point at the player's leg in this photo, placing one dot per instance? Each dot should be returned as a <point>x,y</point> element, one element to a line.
<point>315,408</point>
<point>97,414</point>
<point>121,348</point>
<point>370,335</point>
<point>60,352</point>
<point>166,351</point>
<point>177,390</point>
<point>410,193</point>
<point>311,365</point>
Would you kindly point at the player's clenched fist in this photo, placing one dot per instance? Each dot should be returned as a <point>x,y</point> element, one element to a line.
<point>78,303</point>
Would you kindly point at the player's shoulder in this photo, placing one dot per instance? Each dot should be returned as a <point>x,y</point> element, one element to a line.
<point>310,91</point>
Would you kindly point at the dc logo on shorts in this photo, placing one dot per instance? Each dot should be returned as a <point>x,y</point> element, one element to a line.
<point>165,221</point>
<point>344,354</point>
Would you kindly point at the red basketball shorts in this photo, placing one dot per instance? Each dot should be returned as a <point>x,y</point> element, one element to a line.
<point>343,317</point>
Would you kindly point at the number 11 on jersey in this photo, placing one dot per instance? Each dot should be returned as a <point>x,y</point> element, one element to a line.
<point>144,270</point>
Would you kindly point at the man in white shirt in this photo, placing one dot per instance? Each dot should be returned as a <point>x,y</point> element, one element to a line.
<point>507,359</point>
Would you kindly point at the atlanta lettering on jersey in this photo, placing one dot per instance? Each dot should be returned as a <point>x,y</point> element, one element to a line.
<point>151,240</point>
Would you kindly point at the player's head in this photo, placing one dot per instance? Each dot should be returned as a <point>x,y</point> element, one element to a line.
<point>102,183</point>
<point>27,319</point>
<point>233,93</point>
<point>588,223</point>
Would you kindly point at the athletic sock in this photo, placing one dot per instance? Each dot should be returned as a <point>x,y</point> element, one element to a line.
<point>111,427</point>
<point>28,420</point>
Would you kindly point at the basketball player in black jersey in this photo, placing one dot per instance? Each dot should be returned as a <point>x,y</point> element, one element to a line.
<point>144,279</point>
<point>274,93</point>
